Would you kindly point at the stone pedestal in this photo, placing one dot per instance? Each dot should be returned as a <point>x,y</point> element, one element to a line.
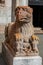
<point>8,55</point>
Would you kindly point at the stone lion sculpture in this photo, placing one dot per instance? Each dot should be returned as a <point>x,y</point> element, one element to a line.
<point>20,34</point>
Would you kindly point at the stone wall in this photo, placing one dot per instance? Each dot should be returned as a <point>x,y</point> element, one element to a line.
<point>5,17</point>
<point>5,12</point>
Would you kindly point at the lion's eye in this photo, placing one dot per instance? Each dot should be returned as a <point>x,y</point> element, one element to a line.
<point>23,9</point>
<point>17,11</point>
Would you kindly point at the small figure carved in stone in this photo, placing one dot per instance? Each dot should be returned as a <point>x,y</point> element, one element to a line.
<point>20,34</point>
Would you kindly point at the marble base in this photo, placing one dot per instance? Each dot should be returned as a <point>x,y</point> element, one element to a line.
<point>11,60</point>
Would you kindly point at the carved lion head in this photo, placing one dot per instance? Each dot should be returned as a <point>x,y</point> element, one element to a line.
<point>23,13</point>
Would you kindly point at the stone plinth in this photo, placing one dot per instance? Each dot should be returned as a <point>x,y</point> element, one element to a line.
<point>11,60</point>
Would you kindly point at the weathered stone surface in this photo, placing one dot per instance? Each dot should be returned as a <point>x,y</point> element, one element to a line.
<point>27,60</point>
<point>21,3</point>
<point>5,12</point>
<point>20,34</point>
<point>34,60</point>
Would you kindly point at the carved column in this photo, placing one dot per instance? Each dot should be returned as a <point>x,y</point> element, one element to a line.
<point>21,2</point>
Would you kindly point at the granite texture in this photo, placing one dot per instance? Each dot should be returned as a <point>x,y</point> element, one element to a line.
<point>28,60</point>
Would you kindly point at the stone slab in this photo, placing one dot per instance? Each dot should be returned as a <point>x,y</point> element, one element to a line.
<point>11,60</point>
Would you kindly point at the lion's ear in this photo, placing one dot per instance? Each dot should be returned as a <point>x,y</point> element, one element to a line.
<point>30,10</point>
